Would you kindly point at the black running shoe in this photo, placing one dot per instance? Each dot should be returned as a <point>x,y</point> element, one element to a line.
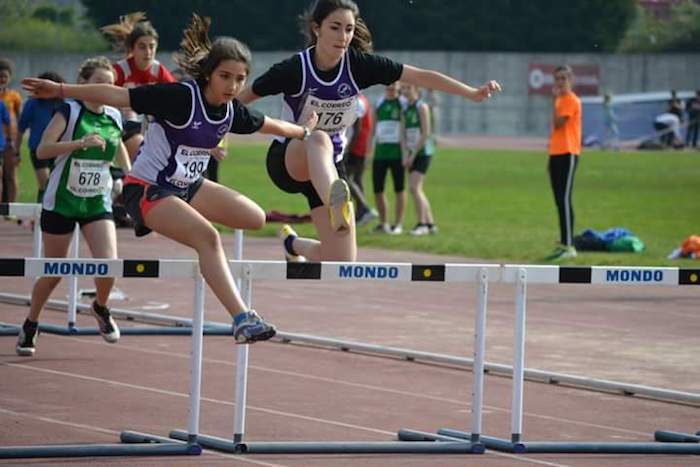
<point>26,343</point>
<point>108,328</point>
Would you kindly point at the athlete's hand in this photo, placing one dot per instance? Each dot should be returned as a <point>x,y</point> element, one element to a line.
<point>218,153</point>
<point>311,122</point>
<point>93,140</point>
<point>41,88</point>
<point>485,91</point>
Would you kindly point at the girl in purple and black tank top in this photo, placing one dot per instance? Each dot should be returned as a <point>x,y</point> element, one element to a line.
<point>325,79</point>
<point>165,191</point>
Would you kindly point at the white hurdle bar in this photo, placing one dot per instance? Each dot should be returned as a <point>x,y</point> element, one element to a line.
<point>33,211</point>
<point>388,272</point>
<point>521,276</point>
<point>38,267</point>
<point>26,211</point>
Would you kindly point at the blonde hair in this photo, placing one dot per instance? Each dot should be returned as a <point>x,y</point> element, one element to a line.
<point>88,67</point>
<point>199,57</point>
<point>128,30</point>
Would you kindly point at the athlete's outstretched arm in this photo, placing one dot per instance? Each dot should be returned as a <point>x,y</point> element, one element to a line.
<point>440,82</point>
<point>273,126</point>
<point>247,95</point>
<point>100,93</point>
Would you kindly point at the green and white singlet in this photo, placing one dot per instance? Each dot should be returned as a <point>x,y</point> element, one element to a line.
<point>411,117</point>
<point>388,130</point>
<point>80,184</point>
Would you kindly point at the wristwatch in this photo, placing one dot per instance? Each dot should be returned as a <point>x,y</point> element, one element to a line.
<point>307,133</point>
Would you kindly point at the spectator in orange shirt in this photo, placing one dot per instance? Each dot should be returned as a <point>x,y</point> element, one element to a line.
<point>9,158</point>
<point>564,151</point>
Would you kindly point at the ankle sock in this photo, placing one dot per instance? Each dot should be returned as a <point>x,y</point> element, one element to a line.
<point>30,324</point>
<point>288,245</point>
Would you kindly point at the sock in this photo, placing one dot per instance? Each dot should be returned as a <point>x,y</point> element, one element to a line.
<point>288,245</point>
<point>99,308</point>
<point>30,324</point>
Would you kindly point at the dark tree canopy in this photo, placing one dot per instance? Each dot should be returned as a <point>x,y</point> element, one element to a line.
<point>469,25</point>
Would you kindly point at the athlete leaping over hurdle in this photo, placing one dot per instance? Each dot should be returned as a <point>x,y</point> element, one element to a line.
<point>165,191</point>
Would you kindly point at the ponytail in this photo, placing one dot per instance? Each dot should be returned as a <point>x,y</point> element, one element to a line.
<point>128,30</point>
<point>199,57</point>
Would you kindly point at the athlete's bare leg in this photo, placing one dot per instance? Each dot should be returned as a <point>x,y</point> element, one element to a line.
<point>101,237</point>
<point>55,246</point>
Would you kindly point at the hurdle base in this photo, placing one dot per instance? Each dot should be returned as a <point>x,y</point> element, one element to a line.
<point>99,450</point>
<point>332,447</point>
<point>7,329</point>
<point>577,447</point>
<point>675,437</point>
<point>478,443</point>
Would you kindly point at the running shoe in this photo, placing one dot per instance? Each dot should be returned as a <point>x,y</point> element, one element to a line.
<point>108,328</point>
<point>249,327</point>
<point>381,229</point>
<point>340,206</point>
<point>285,232</point>
<point>561,253</point>
<point>26,343</point>
<point>419,230</point>
<point>367,217</point>
<point>396,229</point>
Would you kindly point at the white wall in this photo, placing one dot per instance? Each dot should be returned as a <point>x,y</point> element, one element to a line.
<point>511,113</point>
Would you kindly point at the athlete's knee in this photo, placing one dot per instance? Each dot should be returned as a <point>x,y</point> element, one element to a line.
<point>319,138</point>
<point>207,238</point>
<point>254,220</point>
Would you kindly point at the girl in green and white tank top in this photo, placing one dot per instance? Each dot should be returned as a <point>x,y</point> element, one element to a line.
<point>388,157</point>
<point>84,137</point>
<point>420,146</point>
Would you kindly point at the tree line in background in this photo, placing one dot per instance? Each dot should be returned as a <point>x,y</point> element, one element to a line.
<point>453,25</point>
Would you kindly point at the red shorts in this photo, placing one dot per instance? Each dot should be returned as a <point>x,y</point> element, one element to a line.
<point>140,197</point>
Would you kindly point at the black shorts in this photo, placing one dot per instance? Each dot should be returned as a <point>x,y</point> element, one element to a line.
<point>131,129</point>
<point>379,170</point>
<point>140,197</point>
<point>421,164</point>
<point>355,163</point>
<point>277,170</point>
<point>40,163</point>
<point>58,224</point>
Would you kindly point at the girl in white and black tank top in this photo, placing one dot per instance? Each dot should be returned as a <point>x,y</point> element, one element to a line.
<point>326,78</point>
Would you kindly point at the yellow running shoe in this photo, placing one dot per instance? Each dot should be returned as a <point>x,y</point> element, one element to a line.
<point>285,232</point>
<point>340,206</point>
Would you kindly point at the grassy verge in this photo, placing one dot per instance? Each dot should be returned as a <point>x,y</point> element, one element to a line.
<point>497,205</point>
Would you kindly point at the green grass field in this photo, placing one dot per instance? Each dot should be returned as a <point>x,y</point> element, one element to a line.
<point>497,205</point>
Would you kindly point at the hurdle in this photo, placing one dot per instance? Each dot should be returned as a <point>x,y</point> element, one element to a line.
<point>37,267</point>
<point>521,275</point>
<point>394,272</point>
<point>33,211</point>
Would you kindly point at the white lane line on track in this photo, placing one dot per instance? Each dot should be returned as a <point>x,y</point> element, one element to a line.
<point>463,404</point>
<point>260,409</point>
<point>97,429</point>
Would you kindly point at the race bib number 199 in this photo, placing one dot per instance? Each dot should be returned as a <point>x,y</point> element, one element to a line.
<point>191,162</point>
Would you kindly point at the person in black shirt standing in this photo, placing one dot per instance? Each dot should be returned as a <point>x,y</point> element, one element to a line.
<point>325,79</point>
<point>165,190</point>
<point>693,109</point>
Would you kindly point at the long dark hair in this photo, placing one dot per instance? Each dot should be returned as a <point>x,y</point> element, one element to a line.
<point>128,30</point>
<point>320,9</point>
<point>199,57</point>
